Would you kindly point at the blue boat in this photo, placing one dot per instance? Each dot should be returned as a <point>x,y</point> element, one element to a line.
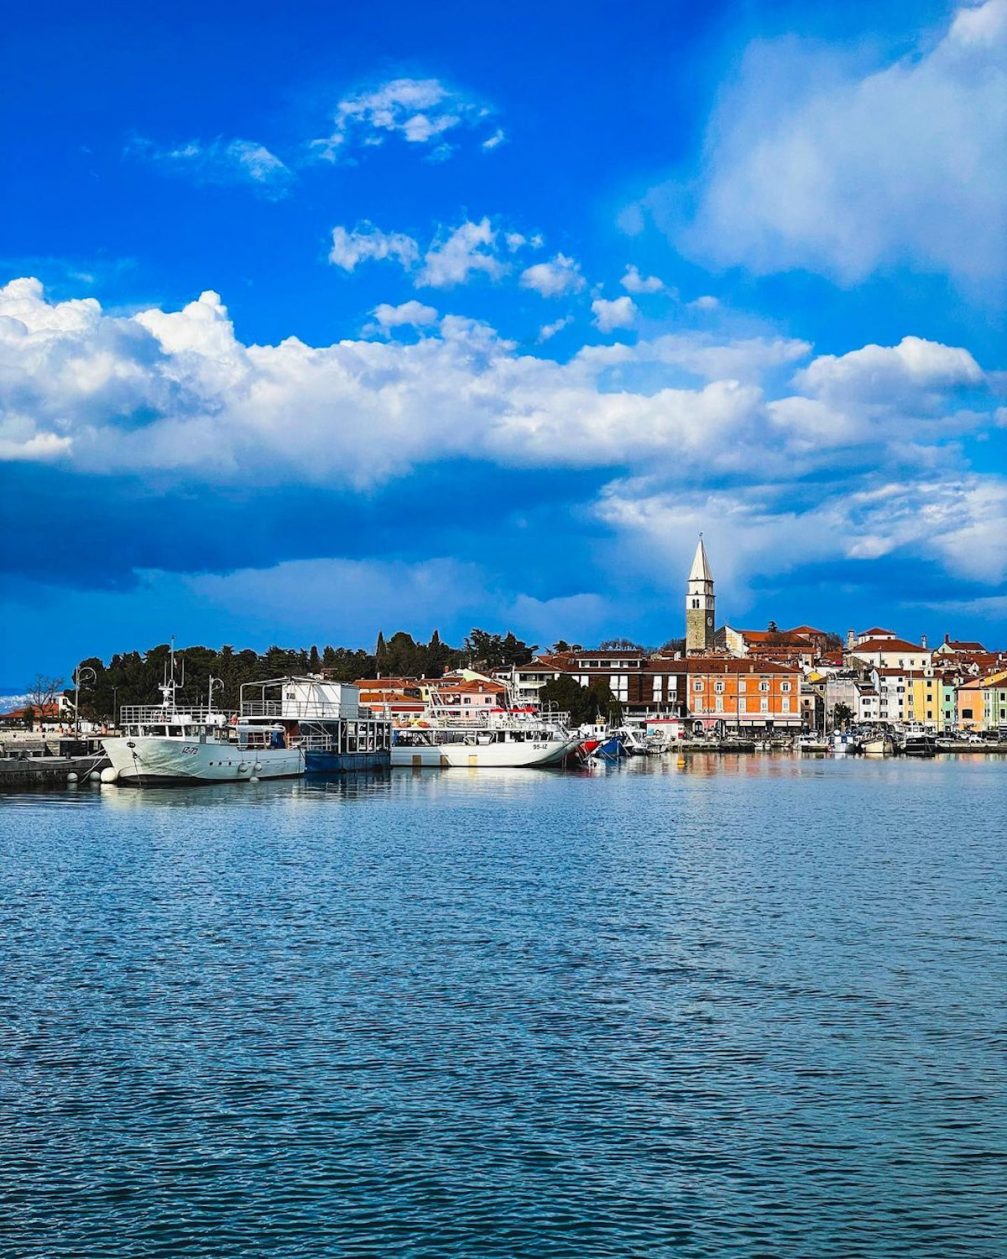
<point>323,719</point>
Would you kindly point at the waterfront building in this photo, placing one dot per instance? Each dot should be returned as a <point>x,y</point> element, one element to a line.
<point>745,693</point>
<point>889,653</point>
<point>982,703</point>
<point>700,603</point>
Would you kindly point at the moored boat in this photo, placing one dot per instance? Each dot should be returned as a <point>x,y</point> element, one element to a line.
<point>286,727</point>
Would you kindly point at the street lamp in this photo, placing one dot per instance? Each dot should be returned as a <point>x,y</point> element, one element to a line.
<point>78,677</point>
<point>216,684</point>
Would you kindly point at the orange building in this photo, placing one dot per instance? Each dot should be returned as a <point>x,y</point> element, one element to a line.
<point>742,692</point>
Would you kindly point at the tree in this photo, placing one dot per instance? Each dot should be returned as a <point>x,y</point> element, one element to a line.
<point>584,703</point>
<point>620,644</point>
<point>491,651</point>
<point>42,693</point>
<point>842,715</point>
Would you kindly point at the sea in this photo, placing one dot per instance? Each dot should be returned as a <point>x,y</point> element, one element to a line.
<point>704,1006</point>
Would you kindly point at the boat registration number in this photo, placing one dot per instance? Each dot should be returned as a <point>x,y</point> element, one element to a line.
<point>186,750</point>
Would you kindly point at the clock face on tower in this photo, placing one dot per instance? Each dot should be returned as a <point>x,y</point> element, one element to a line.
<point>709,620</point>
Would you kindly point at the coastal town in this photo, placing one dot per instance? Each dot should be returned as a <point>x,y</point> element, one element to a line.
<point>720,688</point>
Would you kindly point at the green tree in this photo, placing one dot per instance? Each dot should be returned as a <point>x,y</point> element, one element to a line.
<point>584,703</point>
<point>842,715</point>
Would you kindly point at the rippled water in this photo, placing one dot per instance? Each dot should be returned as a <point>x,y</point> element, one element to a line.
<point>736,1007</point>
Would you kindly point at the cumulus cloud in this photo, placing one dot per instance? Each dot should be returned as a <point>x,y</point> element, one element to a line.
<point>766,530</point>
<point>621,312</point>
<point>456,255</point>
<point>635,283</point>
<point>220,162</point>
<point>814,162</point>
<point>177,395</point>
<point>549,330</point>
<point>425,113</point>
<point>706,302</point>
<point>553,279</point>
<point>412,314</point>
<point>368,243</point>
<point>886,373</point>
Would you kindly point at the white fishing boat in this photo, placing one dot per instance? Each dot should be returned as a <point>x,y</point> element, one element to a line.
<point>813,744</point>
<point>286,727</point>
<point>878,745</point>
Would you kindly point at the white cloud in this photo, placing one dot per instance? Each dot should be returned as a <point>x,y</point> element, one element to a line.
<point>368,243</point>
<point>553,279</point>
<point>864,455</point>
<point>886,373</point>
<point>634,282</point>
<point>454,257</point>
<point>421,112</point>
<point>621,312</point>
<point>814,162</point>
<point>219,161</point>
<point>766,530</point>
<point>549,330</point>
<point>706,302</point>
<point>413,314</point>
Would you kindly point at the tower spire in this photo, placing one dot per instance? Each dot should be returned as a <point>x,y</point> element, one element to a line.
<point>700,602</point>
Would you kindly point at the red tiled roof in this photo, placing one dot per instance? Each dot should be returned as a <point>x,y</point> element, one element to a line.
<point>730,664</point>
<point>886,644</point>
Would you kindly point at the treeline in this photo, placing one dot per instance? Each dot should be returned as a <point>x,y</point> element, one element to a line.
<point>134,677</point>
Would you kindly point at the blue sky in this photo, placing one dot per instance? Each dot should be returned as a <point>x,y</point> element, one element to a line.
<point>321,321</point>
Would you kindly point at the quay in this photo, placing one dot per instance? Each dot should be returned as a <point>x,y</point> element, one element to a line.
<point>48,771</point>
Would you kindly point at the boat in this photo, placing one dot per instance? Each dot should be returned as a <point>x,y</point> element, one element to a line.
<point>878,745</point>
<point>844,743</point>
<point>286,727</point>
<point>504,741</point>
<point>813,743</point>
<point>918,745</point>
<point>324,720</point>
<point>514,737</point>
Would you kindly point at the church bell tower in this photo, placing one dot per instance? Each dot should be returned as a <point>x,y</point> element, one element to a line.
<point>699,603</point>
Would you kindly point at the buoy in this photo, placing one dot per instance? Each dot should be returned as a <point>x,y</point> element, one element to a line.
<point>253,779</point>
<point>256,767</point>
<point>109,774</point>
<point>71,777</point>
<point>94,776</point>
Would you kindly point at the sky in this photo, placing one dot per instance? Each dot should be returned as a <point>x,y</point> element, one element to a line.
<point>322,319</point>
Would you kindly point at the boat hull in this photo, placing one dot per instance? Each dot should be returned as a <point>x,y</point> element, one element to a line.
<point>150,759</point>
<point>503,755</point>
<point>346,762</point>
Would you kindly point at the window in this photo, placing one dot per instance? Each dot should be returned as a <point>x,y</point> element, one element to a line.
<point>742,705</point>
<point>785,704</point>
<point>763,705</point>
<point>784,686</point>
<point>741,684</point>
<point>718,687</point>
<point>695,603</point>
<point>697,685</point>
<point>720,703</point>
<point>763,686</point>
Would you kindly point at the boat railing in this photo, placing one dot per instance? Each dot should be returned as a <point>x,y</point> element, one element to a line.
<point>297,710</point>
<point>178,715</point>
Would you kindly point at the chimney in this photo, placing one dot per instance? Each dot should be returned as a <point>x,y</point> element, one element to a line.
<point>923,641</point>
<point>947,638</point>
<point>850,636</point>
